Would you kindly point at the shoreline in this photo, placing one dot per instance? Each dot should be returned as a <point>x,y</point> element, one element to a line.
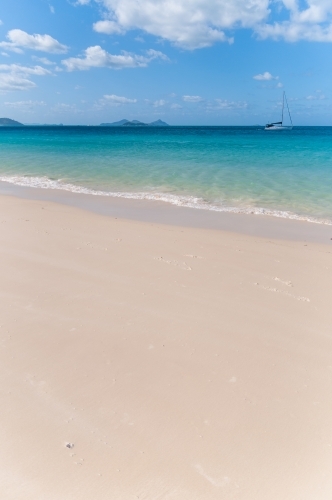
<point>182,201</point>
<point>160,212</point>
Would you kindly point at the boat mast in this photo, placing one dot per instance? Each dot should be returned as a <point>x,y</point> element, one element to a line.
<point>283,103</point>
<point>289,111</point>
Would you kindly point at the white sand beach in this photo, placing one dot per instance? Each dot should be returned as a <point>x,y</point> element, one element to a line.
<point>149,361</point>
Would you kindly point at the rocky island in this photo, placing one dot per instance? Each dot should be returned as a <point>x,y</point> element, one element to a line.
<point>135,123</point>
<point>7,122</point>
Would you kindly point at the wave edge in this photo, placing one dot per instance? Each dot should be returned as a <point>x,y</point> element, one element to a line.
<point>177,200</point>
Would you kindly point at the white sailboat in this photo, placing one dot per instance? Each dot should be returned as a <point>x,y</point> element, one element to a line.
<point>280,125</point>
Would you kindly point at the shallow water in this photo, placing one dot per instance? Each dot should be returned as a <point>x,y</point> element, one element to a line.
<point>241,169</point>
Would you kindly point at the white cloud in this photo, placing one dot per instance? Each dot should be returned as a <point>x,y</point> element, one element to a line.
<point>108,27</point>
<point>119,100</point>
<point>1,23</point>
<point>319,97</point>
<point>16,76</point>
<point>43,60</point>
<point>225,104</point>
<point>19,40</point>
<point>96,57</point>
<point>176,106</point>
<point>11,47</point>
<point>192,98</point>
<point>25,70</point>
<point>62,107</point>
<point>193,24</point>
<point>265,76</point>
<point>293,32</point>
<point>312,22</point>
<point>159,103</point>
<point>189,24</point>
<point>52,9</point>
<point>10,82</point>
<point>24,105</point>
<point>156,54</point>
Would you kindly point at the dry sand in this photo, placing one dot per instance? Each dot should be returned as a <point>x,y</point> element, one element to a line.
<point>146,361</point>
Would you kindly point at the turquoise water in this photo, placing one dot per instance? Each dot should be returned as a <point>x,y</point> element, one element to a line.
<point>240,169</point>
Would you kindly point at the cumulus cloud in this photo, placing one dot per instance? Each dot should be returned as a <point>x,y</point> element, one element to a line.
<point>10,82</point>
<point>18,40</point>
<point>43,60</point>
<point>293,32</point>
<point>193,24</point>
<point>96,57</point>
<point>189,24</point>
<point>25,70</point>
<point>108,27</point>
<point>312,22</point>
<point>116,99</point>
<point>265,76</point>
<point>192,98</point>
<point>16,76</point>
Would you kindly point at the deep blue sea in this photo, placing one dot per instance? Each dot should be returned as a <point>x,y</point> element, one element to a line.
<point>238,169</point>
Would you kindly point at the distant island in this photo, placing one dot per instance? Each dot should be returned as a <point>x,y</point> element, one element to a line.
<point>7,122</point>
<point>135,123</point>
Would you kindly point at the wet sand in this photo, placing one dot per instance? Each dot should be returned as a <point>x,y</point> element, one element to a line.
<point>165,213</point>
<point>153,359</point>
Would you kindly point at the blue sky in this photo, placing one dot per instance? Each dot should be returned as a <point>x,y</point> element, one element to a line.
<point>209,62</point>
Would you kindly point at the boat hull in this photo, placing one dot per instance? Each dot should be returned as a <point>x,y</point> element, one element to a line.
<point>276,127</point>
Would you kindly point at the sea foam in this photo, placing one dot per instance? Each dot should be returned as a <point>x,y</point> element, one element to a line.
<point>173,199</point>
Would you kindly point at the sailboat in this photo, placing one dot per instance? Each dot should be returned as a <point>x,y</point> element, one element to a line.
<point>280,125</point>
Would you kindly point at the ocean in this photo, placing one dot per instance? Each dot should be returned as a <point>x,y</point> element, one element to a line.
<point>231,169</point>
